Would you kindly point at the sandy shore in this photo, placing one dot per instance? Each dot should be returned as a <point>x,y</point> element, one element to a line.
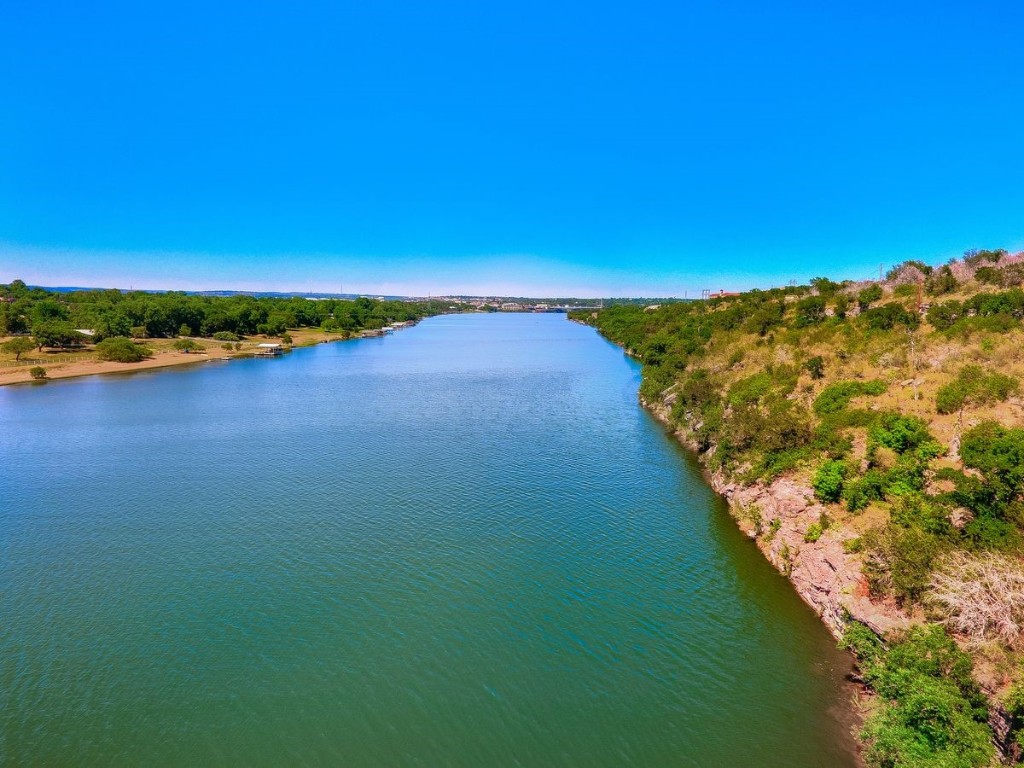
<point>84,363</point>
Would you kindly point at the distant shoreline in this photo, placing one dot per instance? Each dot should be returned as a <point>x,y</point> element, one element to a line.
<point>164,356</point>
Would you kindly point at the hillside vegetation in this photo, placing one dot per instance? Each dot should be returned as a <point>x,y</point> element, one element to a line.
<point>898,405</point>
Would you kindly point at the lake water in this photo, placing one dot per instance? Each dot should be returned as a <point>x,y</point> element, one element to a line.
<point>461,545</point>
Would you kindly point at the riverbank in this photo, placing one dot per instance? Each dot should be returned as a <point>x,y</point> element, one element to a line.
<point>65,364</point>
<point>869,444</point>
<point>825,573</point>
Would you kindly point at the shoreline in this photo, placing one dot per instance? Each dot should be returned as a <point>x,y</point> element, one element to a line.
<point>163,357</point>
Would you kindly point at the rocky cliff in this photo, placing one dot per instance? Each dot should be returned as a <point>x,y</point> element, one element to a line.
<point>826,575</point>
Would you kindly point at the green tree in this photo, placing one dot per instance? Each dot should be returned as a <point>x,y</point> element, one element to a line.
<point>56,333</point>
<point>37,372</point>
<point>18,346</point>
<point>122,350</point>
<point>810,311</point>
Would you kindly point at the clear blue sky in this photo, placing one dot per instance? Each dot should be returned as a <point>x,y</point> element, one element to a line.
<point>528,147</point>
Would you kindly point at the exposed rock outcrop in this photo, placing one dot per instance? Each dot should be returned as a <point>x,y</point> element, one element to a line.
<point>778,516</point>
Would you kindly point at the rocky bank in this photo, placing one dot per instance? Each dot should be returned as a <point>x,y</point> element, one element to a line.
<point>778,516</point>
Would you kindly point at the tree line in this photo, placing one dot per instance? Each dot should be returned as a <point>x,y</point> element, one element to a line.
<point>55,319</point>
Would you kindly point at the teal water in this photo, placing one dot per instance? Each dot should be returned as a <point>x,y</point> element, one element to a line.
<point>461,545</point>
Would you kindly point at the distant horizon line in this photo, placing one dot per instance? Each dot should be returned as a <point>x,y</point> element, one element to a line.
<point>330,295</point>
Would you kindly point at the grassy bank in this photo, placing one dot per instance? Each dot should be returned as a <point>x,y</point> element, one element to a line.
<point>46,334</point>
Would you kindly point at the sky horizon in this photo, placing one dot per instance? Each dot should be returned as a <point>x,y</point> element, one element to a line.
<point>570,150</point>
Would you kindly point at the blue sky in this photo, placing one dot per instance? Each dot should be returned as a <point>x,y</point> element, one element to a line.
<point>518,148</point>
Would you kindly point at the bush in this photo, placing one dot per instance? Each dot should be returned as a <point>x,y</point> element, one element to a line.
<point>37,372</point>
<point>750,389</point>
<point>933,713</point>
<point>973,385</point>
<point>859,493</point>
<point>887,316</point>
<point>815,367</point>
<point>869,295</point>
<point>1013,703</point>
<point>836,397</point>
<point>941,281</point>
<point>188,345</point>
<point>828,481</point>
<point>809,311</point>
<point>901,434</point>
<point>226,336</point>
<point>842,305</point>
<point>900,561</point>
<point>121,350</point>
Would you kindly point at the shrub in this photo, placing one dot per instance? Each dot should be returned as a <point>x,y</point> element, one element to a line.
<point>226,336</point>
<point>887,316</point>
<point>869,295</point>
<point>37,372</point>
<point>988,275</point>
<point>900,561</point>
<point>750,389</point>
<point>1013,703</point>
<point>828,481</point>
<point>842,305</point>
<point>809,311</point>
<point>836,397</point>
<point>901,434</point>
<point>815,367</point>
<point>814,532</point>
<point>122,350</point>
<point>940,282</point>
<point>973,385</point>
<point>188,345</point>
<point>859,493</point>
<point>932,712</point>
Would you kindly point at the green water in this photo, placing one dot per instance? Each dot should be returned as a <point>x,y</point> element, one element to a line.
<point>461,545</point>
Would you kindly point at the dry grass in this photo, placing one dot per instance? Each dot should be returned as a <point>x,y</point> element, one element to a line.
<point>981,597</point>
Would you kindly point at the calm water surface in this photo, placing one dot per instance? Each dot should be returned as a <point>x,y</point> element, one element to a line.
<point>461,545</point>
